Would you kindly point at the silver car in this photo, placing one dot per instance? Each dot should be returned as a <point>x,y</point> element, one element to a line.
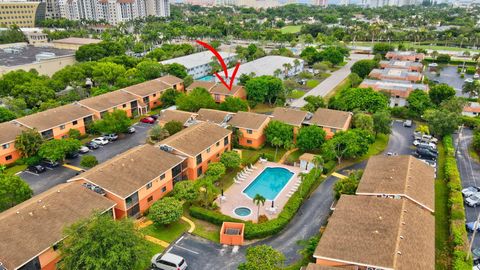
<point>168,261</point>
<point>467,192</point>
<point>473,200</point>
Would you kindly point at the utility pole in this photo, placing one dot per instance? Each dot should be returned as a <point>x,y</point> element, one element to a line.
<point>458,140</point>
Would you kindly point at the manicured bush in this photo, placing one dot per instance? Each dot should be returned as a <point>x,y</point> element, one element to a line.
<point>89,161</point>
<point>471,70</point>
<point>329,166</point>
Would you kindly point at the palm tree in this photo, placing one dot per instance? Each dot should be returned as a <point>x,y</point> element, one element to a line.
<point>277,72</point>
<point>318,161</point>
<point>276,142</point>
<point>287,67</point>
<point>259,200</point>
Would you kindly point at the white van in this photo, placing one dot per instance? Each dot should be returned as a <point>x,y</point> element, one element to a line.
<point>168,261</point>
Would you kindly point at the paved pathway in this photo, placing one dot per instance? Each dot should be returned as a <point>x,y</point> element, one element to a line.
<point>331,82</point>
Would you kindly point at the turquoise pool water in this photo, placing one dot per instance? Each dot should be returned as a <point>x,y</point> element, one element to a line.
<point>208,78</point>
<point>269,183</point>
<point>242,211</point>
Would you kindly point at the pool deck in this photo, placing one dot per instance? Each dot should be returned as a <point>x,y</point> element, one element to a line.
<point>234,196</point>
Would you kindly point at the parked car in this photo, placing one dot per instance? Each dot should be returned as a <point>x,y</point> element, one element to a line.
<point>417,135</point>
<point>84,149</point>
<point>36,168</point>
<point>72,155</point>
<point>470,226</point>
<point>100,141</point>
<point>407,123</point>
<point>92,145</point>
<point>467,192</point>
<point>49,164</point>
<point>147,120</point>
<point>476,256</point>
<point>431,147</point>
<point>154,116</point>
<point>168,261</point>
<point>131,130</point>
<point>111,136</point>
<point>426,154</point>
<point>416,142</point>
<point>473,200</point>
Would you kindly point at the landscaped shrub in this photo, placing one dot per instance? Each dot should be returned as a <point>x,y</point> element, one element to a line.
<point>329,166</point>
<point>471,70</point>
<point>457,210</point>
<point>89,161</point>
<point>270,227</point>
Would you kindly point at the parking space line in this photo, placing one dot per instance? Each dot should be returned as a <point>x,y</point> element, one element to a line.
<point>194,252</point>
<point>72,167</point>
<point>31,173</point>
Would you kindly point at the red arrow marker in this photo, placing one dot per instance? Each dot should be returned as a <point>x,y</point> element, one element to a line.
<point>222,63</point>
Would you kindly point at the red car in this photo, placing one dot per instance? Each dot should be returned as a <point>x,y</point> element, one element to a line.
<point>148,120</point>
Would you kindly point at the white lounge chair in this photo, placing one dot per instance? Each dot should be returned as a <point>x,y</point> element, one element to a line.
<point>248,170</point>
<point>253,167</point>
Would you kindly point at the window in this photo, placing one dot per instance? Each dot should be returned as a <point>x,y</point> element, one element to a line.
<point>9,157</point>
<point>74,122</point>
<point>124,105</point>
<point>149,185</point>
<point>199,171</point>
<point>62,127</point>
<point>199,159</point>
<point>154,95</point>
<point>217,144</point>
<point>208,162</point>
<point>6,146</point>
<point>218,154</point>
<point>249,141</point>
<point>225,141</point>
<point>162,176</point>
<point>333,130</point>
<point>150,199</point>
<point>249,131</point>
<point>208,150</point>
<point>164,189</point>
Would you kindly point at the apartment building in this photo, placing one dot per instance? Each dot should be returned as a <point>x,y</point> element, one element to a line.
<point>405,56</point>
<point>186,118</point>
<point>55,123</point>
<point>10,131</point>
<point>135,179</point>
<point>408,65</point>
<point>472,109</point>
<point>174,82</point>
<point>331,121</point>
<point>396,74</point>
<point>21,13</point>
<point>251,127</point>
<point>200,144</point>
<point>219,91</point>
<point>73,43</point>
<point>292,117</point>
<point>214,116</point>
<point>149,92</point>
<point>199,64</point>
<point>113,11</point>
<point>32,230</point>
<point>398,90</point>
<point>116,100</point>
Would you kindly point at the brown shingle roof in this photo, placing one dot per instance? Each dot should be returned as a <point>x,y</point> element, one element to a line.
<point>54,117</point>
<point>147,88</point>
<point>379,232</point>
<point>248,120</point>
<point>312,266</point>
<point>36,224</point>
<point>330,118</point>
<point>9,131</point>
<point>195,139</point>
<point>201,84</point>
<point>223,90</point>
<point>170,80</point>
<point>399,175</point>
<point>130,171</point>
<point>175,115</point>
<point>109,100</point>
<point>215,116</point>
<point>289,116</point>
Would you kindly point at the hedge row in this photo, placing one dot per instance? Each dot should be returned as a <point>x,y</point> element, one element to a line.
<point>457,210</point>
<point>270,227</point>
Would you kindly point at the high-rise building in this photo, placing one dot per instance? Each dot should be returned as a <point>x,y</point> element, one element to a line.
<point>21,13</point>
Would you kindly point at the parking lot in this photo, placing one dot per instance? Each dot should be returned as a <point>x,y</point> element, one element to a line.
<point>449,75</point>
<point>469,172</point>
<point>52,177</point>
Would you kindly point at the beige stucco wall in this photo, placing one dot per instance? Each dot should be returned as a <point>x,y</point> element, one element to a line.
<point>45,67</point>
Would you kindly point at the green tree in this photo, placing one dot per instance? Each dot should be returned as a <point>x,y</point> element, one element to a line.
<point>158,133</point>
<point>313,103</point>
<point>28,142</point>
<point>348,144</point>
<point>259,200</point>
<point>441,92</point>
<point>418,102</point>
<point>122,246</point>
<point>107,73</point>
<point>230,159</point>
<point>13,190</point>
<point>166,211</point>
<point>347,185</point>
<point>310,138</point>
<point>74,134</point>
<point>173,127</point>
<point>276,142</point>
<point>382,48</point>
<point>89,161</point>
<point>195,100</point>
<point>185,191</point>
<point>233,104</point>
<point>33,93</point>
<point>361,99</point>
<point>177,70</point>
<point>6,115</point>
<point>113,122</point>
<point>215,170</point>
<point>150,70</point>
<point>262,257</point>
<point>471,88</point>
<point>57,149</point>
<point>442,122</point>
<point>264,89</point>
<point>168,97</point>
<point>280,130</point>
<point>333,55</point>
<point>382,122</point>
<point>363,67</point>
<point>363,121</point>
<point>443,58</point>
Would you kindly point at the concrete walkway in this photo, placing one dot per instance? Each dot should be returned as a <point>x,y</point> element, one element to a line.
<point>325,87</point>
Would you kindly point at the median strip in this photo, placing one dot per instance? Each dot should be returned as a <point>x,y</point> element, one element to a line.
<point>72,167</point>
<point>341,176</point>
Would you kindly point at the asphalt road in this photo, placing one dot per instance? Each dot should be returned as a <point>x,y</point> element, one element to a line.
<point>202,254</point>
<point>331,82</point>
<point>469,172</point>
<point>52,177</point>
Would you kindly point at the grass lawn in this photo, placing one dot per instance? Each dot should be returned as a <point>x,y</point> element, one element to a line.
<point>15,169</point>
<point>473,153</point>
<point>296,94</point>
<point>312,83</point>
<point>227,179</point>
<point>250,156</point>
<point>151,250</point>
<point>262,108</point>
<point>376,148</point>
<point>410,44</point>
<point>167,233</point>
<point>342,85</point>
<point>294,156</point>
<point>442,245</point>
<point>291,29</point>
<point>206,230</point>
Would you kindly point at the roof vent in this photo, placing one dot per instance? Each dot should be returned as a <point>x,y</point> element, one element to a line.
<point>403,223</point>
<point>58,191</point>
<point>399,253</point>
<point>39,201</point>
<point>44,207</point>
<point>30,213</point>
<point>18,212</point>
<point>376,232</point>
<point>380,217</point>
<point>401,237</point>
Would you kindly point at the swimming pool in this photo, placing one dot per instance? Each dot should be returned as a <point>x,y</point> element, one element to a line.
<point>269,183</point>
<point>208,78</point>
